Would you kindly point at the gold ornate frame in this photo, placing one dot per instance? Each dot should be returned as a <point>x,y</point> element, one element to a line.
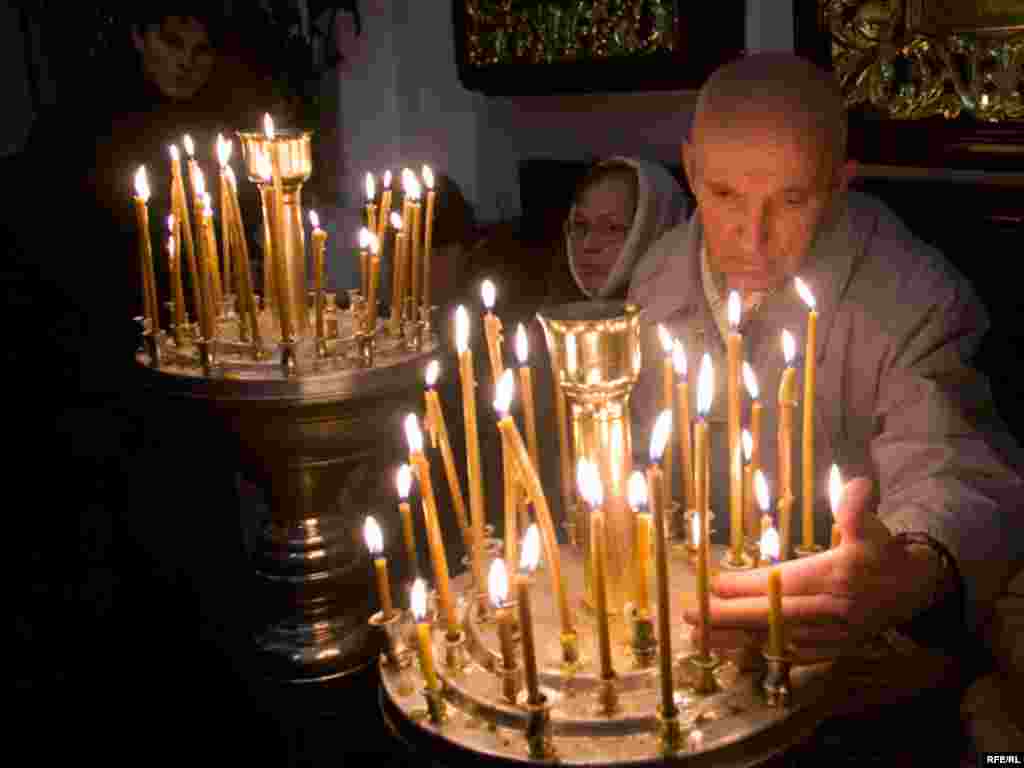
<point>953,67</point>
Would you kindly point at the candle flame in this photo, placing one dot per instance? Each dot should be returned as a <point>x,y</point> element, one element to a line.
<point>835,488</point>
<point>364,238</point>
<point>705,386</point>
<point>432,372</point>
<point>413,435</point>
<point>374,244</point>
<point>461,329</point>
<point>588,479</point>
<point>497,583</point>
<point>695,528</point>
<point>373,535</point>
<point>199,182</point>
<point>371,187</point>
<point>788,347</point>
<point>230,176</point>
<point>734,309</point>
<point>170,222</point>
<point>396,221</point>
<point>403,481</point>
<point>805,293</point>
<point>750,379</point>
<point>764,498</point>
<point>679,359</point>
<point>207,205</point>
<point>529,550</point>
<point>748,445</point>
<point>190,147</point>
<point>314,220</point>
<point>770,545</point>
<point>428,177</point>
<point>665,338</point>
<point>142,184</point>
<point>488,293</point>
<point>522,345</point>
<point>175,154</point>
<point>660,435</point>
<point>223,150</point>
<point>418,600</point>
<point>262,163</point>
<point>637,490</point>
<point>268,126</point>
<point>506,389</point>
<point>410,184</point>
<point>387,179</point>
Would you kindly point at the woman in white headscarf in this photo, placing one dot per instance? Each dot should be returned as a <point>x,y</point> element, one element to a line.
<point>621,207</point>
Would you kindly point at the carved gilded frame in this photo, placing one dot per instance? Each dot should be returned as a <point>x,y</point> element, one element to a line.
<point>928,82</point>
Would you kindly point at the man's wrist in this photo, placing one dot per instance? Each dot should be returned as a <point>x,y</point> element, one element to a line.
<point>940,611</point>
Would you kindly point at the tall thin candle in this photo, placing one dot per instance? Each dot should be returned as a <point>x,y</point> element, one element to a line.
<point>492,329</point>
<point>787,404</point>
<point>469,420</point>
<point>375,543</point>
<point>589,481</point>
<point>807,449</point>
<point>371,207</point>
<point>705,390</point>
<point>682,425</point>
<point>146,251</point>
<point>528,560</point>
<point>223,157</point>
<point>403,483</point>
<point>734,353</point>
<point>428,235</point>
<point>418,607</point>
<point>526,384</point>
<point>638,496</point>
<point>179,206</point>
<point>245,283</point>
<point>667,404</point>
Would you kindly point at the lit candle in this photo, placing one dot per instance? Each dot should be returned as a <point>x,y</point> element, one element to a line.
<point>512,498</point>
<point>750,514</point>
<point>174,267</point>
<point>770,556</point>
<point>787,404</point>
<point>262,166</point>
<point>769,537</point>
<point>701,461</point>
<point>439,429</point>
<point>281,275</point>
<point>660,438</point>
<point>753,457</point>
<point>384,216</point>
<point>371,208</point>
<point>528,560</point>
<point>242,259</point>
<point>216,293</point>
<point>468,381</point>
<point>223,156</point>
<point>497,588</point>
<point>207,317</point>
<point>667,398</point>
<point>403,482</point>
<point>589,481</point>
<point>637,492</point>
<point>835,498</point>
<point>179,207</point>
<point>193,167</point>
<point>526,384</point>
<point>418,605</point>
<point>683,423</point>
<point>531,480</point>
<point>435,541</point>
<point>199,195</point>
<point>397,274</point>
<point>492,329</point>
<point>364,261</point>
<point>149,300</point>
<point>375,543</point>
<point>372,298</point>
<point>428,235</point>
<point>734,353</point>
<point>408,182</point>
<point>319,241</point>
<point>564,455</point>
<point>807,449</point>
<point>416,243</point>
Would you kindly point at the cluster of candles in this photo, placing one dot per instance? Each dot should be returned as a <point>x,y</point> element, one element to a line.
<point>413,244</point>
<point>649,497</point>
<point>213,266</point>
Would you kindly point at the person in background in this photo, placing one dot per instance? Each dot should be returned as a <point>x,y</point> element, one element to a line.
<point>621,206</point>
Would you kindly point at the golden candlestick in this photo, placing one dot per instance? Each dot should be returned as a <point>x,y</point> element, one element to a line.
<point>595,359</point>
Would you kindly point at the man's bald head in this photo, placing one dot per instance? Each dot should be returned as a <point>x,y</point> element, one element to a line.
<point>774,93</point>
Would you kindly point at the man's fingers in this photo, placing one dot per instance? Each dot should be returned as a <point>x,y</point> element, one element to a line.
<point>855,508</point>
<point>752,612</point>
<point>804,576</point>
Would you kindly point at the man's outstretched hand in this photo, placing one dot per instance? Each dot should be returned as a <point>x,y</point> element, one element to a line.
<point>834,600</point>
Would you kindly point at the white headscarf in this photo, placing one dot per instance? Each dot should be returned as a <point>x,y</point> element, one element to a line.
<point>660,205</point>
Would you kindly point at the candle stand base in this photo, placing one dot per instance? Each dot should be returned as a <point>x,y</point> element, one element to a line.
<point>152,343</point>
<point>570,653</point>
<point>814,549</point>
<point>775,685</point>
<point>538,730</point>
<point>670,732</point>
<point>437,710</point>
<point>510,682</point>
<point>455,657</point>
<point>702,673</point>
<point>607,697</point>
<point>745,562</point>
<point>207,356</point>
<point>396,653</point>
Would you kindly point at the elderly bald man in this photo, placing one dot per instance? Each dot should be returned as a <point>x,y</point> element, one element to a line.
<point>931,524</point>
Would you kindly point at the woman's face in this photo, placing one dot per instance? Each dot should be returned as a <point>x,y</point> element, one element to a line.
<point>598,229</point>
<point>177,56</point>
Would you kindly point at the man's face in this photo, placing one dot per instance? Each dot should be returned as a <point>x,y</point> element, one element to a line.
<point>762,197</point>
<point>599,227</point>
<point>176,56</point>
